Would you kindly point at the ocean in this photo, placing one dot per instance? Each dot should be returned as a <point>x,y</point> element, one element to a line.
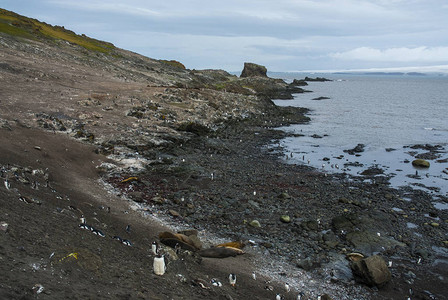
<point>386,113</point>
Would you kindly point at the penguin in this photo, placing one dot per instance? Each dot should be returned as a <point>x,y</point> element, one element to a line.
<point>128,229</point>
<point>278,297</point>
<point>215,282</point>
<point>159,265</point>
<point>127,243</point>
<point>98,232</point>
<point>154,248</point>
<point>82,219</point>
<point>7,184</point>
<point>300,295</point>
<point>254,276</point>
<point>116,237</point>
<point>287,288</point>
<point>85,226</point>
<point>232,279</point>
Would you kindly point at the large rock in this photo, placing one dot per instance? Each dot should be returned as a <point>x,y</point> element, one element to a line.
<point>372,270</point>
<point>420,163</point>
<point>253,70</point>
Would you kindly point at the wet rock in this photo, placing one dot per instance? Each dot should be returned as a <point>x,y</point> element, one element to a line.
<point>321,98</point>
<point>372,171</point>
<point>285,219</point>
<point>298,82</point>
<point>428,155</point>
<point>372,270</point>
<point>317,79</point>
<point>358,149</point>
<point>253,70</point>
<point>420,163</point>
<point>326,297</point>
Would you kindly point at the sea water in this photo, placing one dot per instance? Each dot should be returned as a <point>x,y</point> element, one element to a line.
<point>386,113</point>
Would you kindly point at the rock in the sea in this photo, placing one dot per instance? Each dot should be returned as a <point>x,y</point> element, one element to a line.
<point>253,70</point>
<point>420,163</point>
<point>372,270</point>
<point>285,219</point>
<point>255,223</point>
<point>358,149</point>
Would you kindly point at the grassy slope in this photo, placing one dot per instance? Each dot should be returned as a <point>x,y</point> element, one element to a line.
<point>20,26</point>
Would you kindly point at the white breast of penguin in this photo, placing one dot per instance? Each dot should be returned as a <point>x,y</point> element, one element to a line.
<point>159,265</point>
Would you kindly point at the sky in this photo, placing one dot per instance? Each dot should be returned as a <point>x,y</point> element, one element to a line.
<point>283,35</point>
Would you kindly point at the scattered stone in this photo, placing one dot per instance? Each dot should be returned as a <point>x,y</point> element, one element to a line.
<point>372,270</point>
<point>310,225</point>
<point>285,219</point>
<point>136,196</point>
<point>284,195</point>
<point>255,223</point>
<point>174,213</point>
<point>434,224</point>
<point>421,163</point>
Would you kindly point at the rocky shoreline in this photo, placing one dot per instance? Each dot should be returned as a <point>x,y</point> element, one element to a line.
<point>138,146</point>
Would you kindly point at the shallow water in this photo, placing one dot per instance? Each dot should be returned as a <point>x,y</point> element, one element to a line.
<point>382,112</point>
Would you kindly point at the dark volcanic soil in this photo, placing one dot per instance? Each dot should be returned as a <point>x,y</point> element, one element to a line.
<point>74,126</point>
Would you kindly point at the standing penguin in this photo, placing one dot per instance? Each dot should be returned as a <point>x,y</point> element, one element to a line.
<point>159,265</point>
<point>154,248</point>
<point>232,279</point>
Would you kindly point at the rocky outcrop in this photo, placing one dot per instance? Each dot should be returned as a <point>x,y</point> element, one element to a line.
<point>318,79</point>
<point>373,271</point>
<point>253,70</point>
<point>358,149</point>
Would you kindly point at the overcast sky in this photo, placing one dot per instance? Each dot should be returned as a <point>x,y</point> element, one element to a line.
<point>283,35</point>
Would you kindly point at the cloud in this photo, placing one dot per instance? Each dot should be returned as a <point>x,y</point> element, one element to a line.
<point>402,54</point>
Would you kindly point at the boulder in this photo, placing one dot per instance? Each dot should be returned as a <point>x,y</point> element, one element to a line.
<point>372,270</point>
<point>255,223</point>
<point>285,219</point>
<point>253,70</point>
<point>420,163</point>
